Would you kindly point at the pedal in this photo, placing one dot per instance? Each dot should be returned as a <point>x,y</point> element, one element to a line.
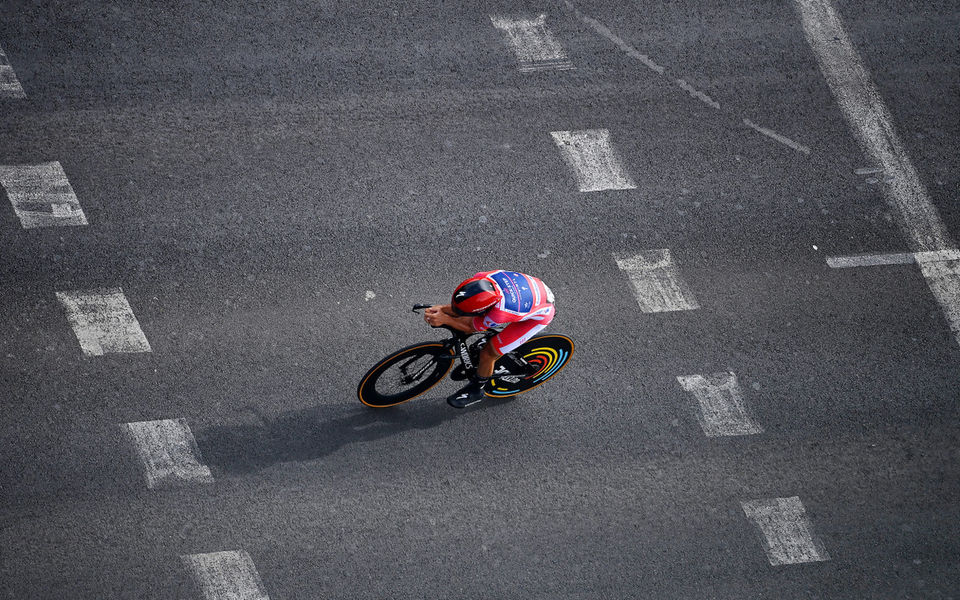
<point>458,373</point>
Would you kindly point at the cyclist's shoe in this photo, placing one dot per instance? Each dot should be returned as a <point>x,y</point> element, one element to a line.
<point>469,394</point>
<point>506,375</point>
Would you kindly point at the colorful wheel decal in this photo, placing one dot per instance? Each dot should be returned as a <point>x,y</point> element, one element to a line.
<point>548,359</point>
<point>558,358</point>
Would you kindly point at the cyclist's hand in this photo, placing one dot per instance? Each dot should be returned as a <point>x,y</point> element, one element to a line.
<point>434,316</point>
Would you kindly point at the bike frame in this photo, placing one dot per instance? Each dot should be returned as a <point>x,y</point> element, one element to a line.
<point>459,342</point>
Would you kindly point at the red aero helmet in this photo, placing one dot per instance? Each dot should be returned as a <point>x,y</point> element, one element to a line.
<point>474,296</point>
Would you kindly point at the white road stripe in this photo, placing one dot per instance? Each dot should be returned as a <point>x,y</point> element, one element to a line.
<point>683,84</point>
<point>168,452</point>
<point>870,260</point>
<point>776,136</point>
<point>593,160</point>
<point>871,123</point>
<point>695,93</point>
<point>656,281</point>
<point>227,575</point>
<point>619,42</point>
<point>41,195</point>
<point>103,321</point>
<point>893,258</point>
<point>9,84</point>
<point>722,409</point>
<point>533,43</point>
<point>786,531</point>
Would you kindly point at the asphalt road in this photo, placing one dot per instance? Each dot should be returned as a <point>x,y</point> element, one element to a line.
<point>251,170</point>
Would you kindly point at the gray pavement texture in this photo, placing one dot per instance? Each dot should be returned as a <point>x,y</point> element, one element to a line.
<point>249,170</point>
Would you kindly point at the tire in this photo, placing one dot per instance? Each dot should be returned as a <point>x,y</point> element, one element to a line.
<point>550,353</point>
<point>413,358</point>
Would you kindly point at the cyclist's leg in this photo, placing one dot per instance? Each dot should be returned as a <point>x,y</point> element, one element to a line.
<point>511,337</point>
<point>517,333</point>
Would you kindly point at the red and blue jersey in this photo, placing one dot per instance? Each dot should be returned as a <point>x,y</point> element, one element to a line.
<point>525,298</point>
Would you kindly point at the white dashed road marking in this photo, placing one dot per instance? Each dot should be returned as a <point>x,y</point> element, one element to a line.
<point>103,321</point>
<point>722,409</point>
<point>227,575</point>
<point>893,258</point>
<point>593,160</point>
<point>656,281</point>
<point>533,43</point>
<point>41,195</point>
<point>683,84</point>
<point>773,135</point>
<point>787,533</point>
<point>168,452</point>
<point>871,123</point>
<point>9,84</point>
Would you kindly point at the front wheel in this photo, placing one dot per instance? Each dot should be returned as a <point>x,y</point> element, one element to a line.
<point>405,374</point>
<point>548,354</point>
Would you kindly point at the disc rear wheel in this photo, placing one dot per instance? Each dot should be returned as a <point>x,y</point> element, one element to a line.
<point>547,354</point>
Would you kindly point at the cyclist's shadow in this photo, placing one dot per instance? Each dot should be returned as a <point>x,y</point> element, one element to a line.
<point>315,432</point>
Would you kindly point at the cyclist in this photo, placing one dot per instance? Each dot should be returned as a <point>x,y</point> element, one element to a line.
<point>520,303</point>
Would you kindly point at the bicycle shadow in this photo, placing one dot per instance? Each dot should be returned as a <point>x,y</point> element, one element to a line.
<point>316,432</point>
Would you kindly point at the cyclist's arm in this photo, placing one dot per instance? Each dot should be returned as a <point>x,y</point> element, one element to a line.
<point>464,324</point>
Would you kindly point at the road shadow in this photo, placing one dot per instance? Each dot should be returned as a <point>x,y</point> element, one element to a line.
<point>316,432</point>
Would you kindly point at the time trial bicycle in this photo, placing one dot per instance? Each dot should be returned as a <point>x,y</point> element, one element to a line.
<point>412,371</point>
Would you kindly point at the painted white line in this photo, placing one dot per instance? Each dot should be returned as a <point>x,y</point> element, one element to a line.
<point>41,195</point>
<point>619,42</point>
<point>776,136</point>
<point>870,260</point>
<point>722,409</point>
<point>229,575</point>
<point>593,160</point>
<point>103,321</point>
<point>943,277</point>
<point>695,93</point>
<point>9,84</point>
<point>651,64</point>
<point>656,281</point>
<point>892,258</point>
<point>533,43</point>
<point>871,123</point>
<point>786,531</point>
<point>168,452</point>
<point>936,256</point>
